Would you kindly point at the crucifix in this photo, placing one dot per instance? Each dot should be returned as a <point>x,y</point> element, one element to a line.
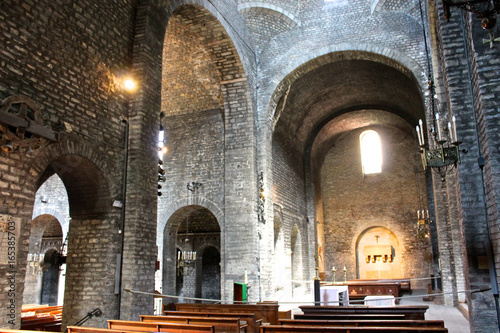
<point>491,40</point>
<point>377,237</point>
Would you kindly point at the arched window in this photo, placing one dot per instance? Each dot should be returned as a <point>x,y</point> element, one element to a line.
<point>371,152</point>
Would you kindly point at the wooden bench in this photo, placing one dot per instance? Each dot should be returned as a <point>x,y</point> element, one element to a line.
<point>80,329</point>
<point>312,329</point>
<point>410,312</point>
<point>349,316</point>
<point>158,327</point>
<point>363,323</point>
<point>245,318</point>
<point>268,312</point>
<point>219,324</point>
<point>41,318</point>
<point>41,324</point>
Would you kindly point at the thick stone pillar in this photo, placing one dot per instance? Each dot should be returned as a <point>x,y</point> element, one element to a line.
<point>466,91</point>
<point>240,192</point>
<point>91,268</point>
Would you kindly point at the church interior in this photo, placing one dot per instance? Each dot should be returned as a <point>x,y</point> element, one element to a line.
<point>190,148</point>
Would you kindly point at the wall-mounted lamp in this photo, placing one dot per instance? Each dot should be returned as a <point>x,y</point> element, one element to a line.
<point>8,146</point>
<point>129,84</point>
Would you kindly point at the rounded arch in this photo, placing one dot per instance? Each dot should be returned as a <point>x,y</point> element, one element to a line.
<point>283,80</point>
<point>190,228</point>
<point>42,278</point>
<point>198,200</point>
<point>83,170</point>
<point>196,82</point>
<point>279,12</point>
<point>378,254</point>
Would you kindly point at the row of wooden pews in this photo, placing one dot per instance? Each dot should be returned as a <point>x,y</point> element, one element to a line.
<point>239,318</point>
<point>351,319</point>
<point>41,318</point>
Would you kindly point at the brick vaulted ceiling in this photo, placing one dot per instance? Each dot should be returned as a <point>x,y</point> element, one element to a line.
<point>338,88</point>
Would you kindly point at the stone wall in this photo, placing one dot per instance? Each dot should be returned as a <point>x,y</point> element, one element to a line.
<point>353,203</point>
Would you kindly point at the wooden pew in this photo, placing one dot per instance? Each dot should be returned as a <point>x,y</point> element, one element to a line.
<point>349,316</point>
<point>245,318</point>
<point>268,312</point>
<point>158,327</point>
<point>50,324</point>
<point>80,329</point>
<point>220,324</point>
<point>410,312</point>
<point>363,323</point>
<point>313,329</point>
<point>41,318</point>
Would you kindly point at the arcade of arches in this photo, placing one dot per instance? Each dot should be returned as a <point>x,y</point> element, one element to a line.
<point>263,106</point>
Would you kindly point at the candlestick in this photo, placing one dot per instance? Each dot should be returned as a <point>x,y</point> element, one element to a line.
<point>438,127</point>
<point>451,133</point>
<point>246,278</point>
<point>422,131</point>
<point>345,275</point>
<point>334,273</point>
<point>418,136</point>
<point>418,214</point>
<point>454,120</point>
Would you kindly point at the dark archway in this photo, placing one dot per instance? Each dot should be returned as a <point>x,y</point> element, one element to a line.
<point>93,238</point>
<point>188,233</point>
<point>50,278</point>
<point>210,274</point>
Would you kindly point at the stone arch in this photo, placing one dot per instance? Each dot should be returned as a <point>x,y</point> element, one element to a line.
<point>203,231</point>
<point>76,163</point>
<point>380,257</point>
<point>46,235</point>
<point>214,60</point>
<point>266,21</point>
<point>283,80</point>
<point>91,183</point>
<point>278,11</point>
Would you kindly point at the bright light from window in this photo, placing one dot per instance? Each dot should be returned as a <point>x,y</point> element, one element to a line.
<point>162,149</point>
<point>371,152</point>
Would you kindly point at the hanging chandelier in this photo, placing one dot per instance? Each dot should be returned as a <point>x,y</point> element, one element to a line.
<point>186,260</point>
<point>423,224</point>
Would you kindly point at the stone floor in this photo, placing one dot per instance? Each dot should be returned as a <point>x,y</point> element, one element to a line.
<point>453,319</point>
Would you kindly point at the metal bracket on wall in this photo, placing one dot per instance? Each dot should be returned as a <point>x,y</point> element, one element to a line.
<point>22,125</point>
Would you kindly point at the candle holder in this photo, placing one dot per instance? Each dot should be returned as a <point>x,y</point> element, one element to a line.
<point>334,273</point>
<point>345,275</point>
